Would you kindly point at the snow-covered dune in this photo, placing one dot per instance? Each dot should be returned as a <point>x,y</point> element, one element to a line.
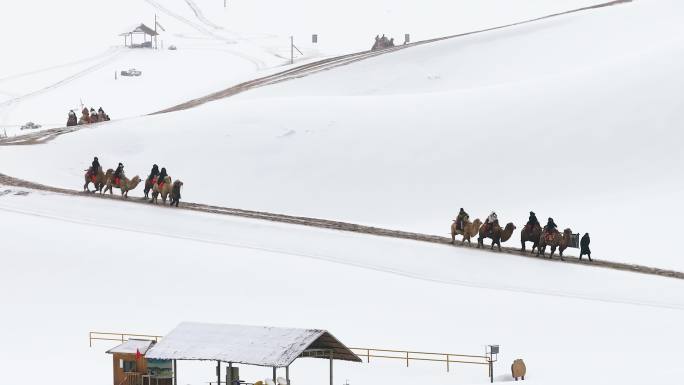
<point>572,118</point>
<point>110,266</point>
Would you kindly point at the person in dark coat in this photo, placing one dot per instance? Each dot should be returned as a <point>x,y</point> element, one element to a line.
<point>584,246</point>
<point>550,226</point>
<point>532,221</point>
<point>95,167</point>
<point>72,120</point>
<point>119,173</point>
<point>461,218</point>
<point>162,175</point>
<point>154,172</point>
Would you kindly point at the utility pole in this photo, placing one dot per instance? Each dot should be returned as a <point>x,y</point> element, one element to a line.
<point>291,50</point>
<point>155,31</point>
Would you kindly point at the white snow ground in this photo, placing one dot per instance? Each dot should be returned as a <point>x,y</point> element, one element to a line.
<point>117,266</point>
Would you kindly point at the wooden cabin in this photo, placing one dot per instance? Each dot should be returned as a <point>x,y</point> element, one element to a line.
<point>131,367</point>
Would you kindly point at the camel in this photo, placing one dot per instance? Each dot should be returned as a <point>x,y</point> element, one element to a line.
<point>530,235</point>
<point>176,193</point>
<point>125,184</point>
<point>554,240</point>
<point>497,234</point>
<point>470,229</point>
<point>165,190</point>
<point>98,180</point>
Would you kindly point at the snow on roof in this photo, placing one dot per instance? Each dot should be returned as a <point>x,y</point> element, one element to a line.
<point>132,346</point>
<point>140,28</point>
<point>251,345</point>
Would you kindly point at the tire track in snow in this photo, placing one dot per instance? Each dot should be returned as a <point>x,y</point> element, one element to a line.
<point>63,65</point>
<point>258,64</point>
<point>363,265</point>
<point>352,228</point>
<point>293,73</point>
<point>107,60</point>
<point>200,15</point>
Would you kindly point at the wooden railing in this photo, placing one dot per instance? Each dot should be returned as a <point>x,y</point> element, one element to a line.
<point>408,356</point>
<point>120,337</point>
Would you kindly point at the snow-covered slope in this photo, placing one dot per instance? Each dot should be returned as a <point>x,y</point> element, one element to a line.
<point>572,118</point>
<point>65,55</point>
<point>82,264</point>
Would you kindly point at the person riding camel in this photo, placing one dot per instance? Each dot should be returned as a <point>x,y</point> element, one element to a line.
<point>461,218</point>
<point>85,116</point>
<point>154,173</point>
<point>93,116</point>
<point>491,220</point>
<point>533,221</point>
<point>160,178</point>
<point>550,227</point>
<point>101,115</point>
<point>72,120</point>
<point>118,174</point>
<point>95,168</point>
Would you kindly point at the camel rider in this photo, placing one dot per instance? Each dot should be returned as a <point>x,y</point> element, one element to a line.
<point>118,174</point>
<point>461,219</point>
<point>72,120</point>
<point>550,226</point>
<point>153,173</point>
<point>491,220</point>
<point>162,175</point>
<point>94,167</point>
<point>533,221</point>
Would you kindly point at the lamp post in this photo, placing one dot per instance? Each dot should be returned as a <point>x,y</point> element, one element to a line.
<point>492,354</point>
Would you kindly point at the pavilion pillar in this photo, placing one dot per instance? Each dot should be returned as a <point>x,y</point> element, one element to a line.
<point>218,372</point>
<point>287,375</point>
<point>274,374</point>
<point>331,367</point>
<point>175,373</point>
<point>229,375</point>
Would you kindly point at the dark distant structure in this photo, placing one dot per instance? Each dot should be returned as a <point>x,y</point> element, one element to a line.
<point>143,30</point>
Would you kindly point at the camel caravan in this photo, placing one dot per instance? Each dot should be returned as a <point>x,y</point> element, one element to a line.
<point>382,43</point>
<point>159,182</point>
<point>87,117</point>
<point>541,237</point>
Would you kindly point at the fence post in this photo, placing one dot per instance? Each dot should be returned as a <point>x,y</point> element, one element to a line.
<point>367,355</point>
<point>407,359</point>
<point>447,363</point>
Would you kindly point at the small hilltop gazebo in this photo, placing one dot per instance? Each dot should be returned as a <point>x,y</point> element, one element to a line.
<point>272,347</point>
<point>143,30</point>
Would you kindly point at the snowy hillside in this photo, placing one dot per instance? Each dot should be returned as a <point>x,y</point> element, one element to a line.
<point>405,139</point>
<point>146,269</point>
<point>68,63</point>
<point>574,117</point>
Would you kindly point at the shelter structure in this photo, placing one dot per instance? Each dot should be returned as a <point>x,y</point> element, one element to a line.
<point>231,345</point>
<point>143,30</point>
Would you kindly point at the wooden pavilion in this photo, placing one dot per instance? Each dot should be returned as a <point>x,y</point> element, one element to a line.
<point>143,30</point>
<point>142,362</point>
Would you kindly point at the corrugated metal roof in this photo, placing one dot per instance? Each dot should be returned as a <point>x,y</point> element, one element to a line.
<point>132,346</point>
<point>251,345</point>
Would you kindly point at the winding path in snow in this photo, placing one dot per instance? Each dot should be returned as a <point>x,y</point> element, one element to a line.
<point>347,227</point>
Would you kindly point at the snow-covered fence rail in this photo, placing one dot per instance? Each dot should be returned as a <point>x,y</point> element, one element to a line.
<point>119,337</point>
<point>408,356</point>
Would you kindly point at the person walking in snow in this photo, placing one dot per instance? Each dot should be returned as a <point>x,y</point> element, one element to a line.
<point>584,246</point>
